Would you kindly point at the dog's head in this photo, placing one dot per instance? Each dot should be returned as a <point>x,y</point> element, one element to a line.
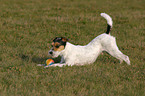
<point>58,45</point>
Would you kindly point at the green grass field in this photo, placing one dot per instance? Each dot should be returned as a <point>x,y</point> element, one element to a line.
<point>27,28</point>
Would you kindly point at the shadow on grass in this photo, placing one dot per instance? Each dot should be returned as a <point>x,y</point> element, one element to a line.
<point>42,60</point>
<point>24,57</point>
<point>38,60</point>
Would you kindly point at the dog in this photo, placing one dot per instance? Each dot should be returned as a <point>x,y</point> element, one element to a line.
<point>81,55</point>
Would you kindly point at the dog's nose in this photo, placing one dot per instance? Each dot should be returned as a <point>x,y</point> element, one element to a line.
<point>51,52</point>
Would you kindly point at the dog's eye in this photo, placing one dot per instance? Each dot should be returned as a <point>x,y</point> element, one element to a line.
<point>57,46</point>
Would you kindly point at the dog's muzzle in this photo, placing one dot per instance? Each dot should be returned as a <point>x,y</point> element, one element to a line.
<point>53,53</point>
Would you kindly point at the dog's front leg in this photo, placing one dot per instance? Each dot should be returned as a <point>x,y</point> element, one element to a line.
<point>62,60</point>
<point>56,64</point>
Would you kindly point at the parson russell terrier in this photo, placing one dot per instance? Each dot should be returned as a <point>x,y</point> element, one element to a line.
<point>81,55</point>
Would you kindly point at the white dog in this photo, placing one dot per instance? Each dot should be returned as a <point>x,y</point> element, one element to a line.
<point>80,55</point>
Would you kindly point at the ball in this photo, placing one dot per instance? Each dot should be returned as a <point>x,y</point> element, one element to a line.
<point>49,62</point>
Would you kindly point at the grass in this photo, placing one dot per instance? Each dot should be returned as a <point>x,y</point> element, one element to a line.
<point>27,28</point>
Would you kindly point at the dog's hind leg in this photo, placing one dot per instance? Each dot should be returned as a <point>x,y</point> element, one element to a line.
<point>109,45</point>
<point>115,52</point>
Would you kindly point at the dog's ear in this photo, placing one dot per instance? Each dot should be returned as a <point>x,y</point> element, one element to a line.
<point>55,39</point>
<point>64,39</point>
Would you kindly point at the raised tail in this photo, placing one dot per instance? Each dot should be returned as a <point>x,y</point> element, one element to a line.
<point>109,22</point>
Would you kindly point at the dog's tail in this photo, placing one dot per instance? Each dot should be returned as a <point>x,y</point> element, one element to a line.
<point>109,22</point>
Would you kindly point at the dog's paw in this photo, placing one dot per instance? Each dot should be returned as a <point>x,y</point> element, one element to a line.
<point>127,60</point>
<point>46,66</point>
<point>40,64</point>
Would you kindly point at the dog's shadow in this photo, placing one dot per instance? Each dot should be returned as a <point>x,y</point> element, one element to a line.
<point>42,60</point>
<point>38,60</point>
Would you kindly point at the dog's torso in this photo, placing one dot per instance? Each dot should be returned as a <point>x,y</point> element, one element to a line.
<point>80,55</point>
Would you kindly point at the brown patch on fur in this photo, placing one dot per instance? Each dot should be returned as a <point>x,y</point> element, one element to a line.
<point>64,39</point>
<point>59,49</point>
<point>57,46</point>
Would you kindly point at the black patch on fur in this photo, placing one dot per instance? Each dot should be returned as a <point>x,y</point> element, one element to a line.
<point>108,29</point>
<point>59,40</point>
